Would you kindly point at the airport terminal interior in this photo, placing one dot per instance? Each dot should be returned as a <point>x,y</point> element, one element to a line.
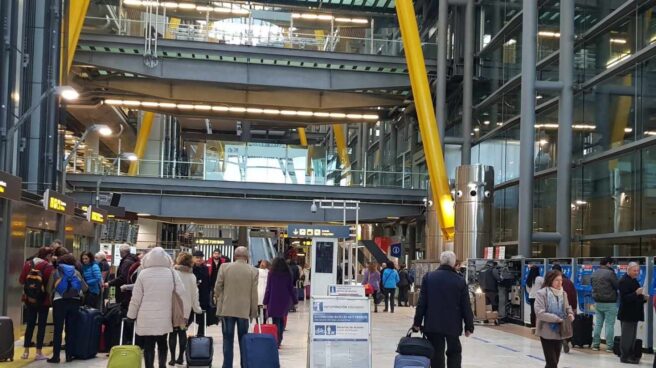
<point>334,136</point>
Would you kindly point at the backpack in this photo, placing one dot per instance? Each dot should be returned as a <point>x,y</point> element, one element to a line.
<point>67,283</point>
<point>33,288</point>
<point>411,276</point>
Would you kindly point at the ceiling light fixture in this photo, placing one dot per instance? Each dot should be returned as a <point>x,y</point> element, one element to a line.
<point>241,109</point>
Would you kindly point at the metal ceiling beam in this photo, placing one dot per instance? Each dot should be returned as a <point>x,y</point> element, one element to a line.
<point>211,93</point>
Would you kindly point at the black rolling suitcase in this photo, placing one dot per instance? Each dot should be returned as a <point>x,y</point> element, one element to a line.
<point>6,339</point>
<point>582,327</point>
<point>87,333</point>
<point>200,349</point>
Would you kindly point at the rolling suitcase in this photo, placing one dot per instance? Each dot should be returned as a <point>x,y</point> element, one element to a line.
<point>411,361</point>
<point>637,348</point>
<point>125,356</point>
<point>87,333</point>
<point>582,327</point>
<point>6,339</point>
<point>267,329</point>
<point>300,291</point>
<point>200,349</point>
<point>260,351</point>
<point>307,291</point>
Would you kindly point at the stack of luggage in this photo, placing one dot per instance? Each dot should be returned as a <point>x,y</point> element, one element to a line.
<point>415,352</point>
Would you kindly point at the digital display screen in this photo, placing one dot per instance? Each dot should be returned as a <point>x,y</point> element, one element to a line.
<point>324,257</point>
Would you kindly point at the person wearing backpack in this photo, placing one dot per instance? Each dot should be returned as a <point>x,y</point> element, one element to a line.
<point>93,278</point>
<point>404,286</point>
<point>34,278</point>
<point>65,288</point>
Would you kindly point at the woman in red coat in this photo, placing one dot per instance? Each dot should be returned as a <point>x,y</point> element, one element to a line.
<point>34,278</point>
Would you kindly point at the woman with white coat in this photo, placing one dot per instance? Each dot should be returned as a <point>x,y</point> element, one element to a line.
<point>263,275</point>
<point>152,305</point>
<point>184,268</point>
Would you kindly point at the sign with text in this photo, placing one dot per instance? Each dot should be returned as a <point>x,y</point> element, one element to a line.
<point>320,231</point>
<point>95,214</point>
<point>340,332</point>
<point>346,290</point>
<point>10,186</point>
<point>213,241</point>
<point>57,202</point>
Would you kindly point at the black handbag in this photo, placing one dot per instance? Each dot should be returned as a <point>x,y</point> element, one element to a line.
<point>420,346</point>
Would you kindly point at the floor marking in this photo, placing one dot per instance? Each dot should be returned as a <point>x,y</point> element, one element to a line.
<point>507,348</point>
<point>479,339</point>
<point>536,358</point>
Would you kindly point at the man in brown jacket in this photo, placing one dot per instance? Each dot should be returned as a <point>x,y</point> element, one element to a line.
<point>235,295</point>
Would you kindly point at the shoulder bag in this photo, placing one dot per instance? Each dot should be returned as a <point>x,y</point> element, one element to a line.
<point>178,317</point>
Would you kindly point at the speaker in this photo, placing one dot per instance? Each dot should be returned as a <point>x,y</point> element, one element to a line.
<point>116,199</point>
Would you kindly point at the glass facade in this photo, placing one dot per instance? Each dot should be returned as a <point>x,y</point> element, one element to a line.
<point>612,206</point>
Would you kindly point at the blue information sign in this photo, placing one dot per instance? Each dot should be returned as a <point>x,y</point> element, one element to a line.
<point>396,250</point>
<point>318,231</point>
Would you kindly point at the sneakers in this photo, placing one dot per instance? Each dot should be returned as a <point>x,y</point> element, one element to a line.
<point>40,357</point>
<point>610,350</point>
<point>595,348</point>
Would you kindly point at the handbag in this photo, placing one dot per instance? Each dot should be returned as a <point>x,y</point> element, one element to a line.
<point>566,328</point>
<point>378,296</point>
<point>178,317</point>
<point>420,346</point>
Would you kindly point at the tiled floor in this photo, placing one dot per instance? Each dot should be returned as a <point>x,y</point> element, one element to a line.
<point>490,347</point>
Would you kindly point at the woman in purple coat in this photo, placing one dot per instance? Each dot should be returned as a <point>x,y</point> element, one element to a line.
<point>279,295</point>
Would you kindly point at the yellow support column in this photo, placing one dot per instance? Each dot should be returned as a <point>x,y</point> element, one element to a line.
<point>340,142</point>
<point>426,115</point>
<point>302,136</point>
<point>77,10</point>
<point>142,141</point>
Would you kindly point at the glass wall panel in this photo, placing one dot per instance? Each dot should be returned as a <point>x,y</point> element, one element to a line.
<point>544,204</point>
<point>609,191</point>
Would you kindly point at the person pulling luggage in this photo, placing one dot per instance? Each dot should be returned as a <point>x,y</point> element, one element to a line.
<point>183,267</point>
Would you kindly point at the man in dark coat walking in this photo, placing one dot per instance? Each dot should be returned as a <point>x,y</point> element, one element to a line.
<point>632,300</point>
<point>122,277</point>
<point>203,282</point>
<point>443,307</point>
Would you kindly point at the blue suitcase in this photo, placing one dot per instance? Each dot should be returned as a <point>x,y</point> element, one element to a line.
<point>87,333</point>
<point>411,361</point>
<point>200,349</point>
<point>260,351</point>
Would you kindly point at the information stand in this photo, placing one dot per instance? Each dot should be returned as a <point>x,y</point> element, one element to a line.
<point>340,332</point>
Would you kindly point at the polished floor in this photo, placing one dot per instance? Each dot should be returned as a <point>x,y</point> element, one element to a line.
<point>491,347</point>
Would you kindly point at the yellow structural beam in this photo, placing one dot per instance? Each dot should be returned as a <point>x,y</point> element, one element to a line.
<point>426,115</point>
<point>77,11</point>
<point>340,142</point>
<point>302,136</point>
<point>142,141</point>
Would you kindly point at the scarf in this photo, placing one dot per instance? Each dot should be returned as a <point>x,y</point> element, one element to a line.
<point>555,305</point>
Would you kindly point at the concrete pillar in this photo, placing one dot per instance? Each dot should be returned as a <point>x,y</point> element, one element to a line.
<point>242,237</point>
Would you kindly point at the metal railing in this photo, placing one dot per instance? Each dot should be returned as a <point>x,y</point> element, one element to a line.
<point>248,33</point>
<point>243,171</point>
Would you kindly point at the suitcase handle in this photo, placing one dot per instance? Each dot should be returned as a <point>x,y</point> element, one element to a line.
<point>134,330</point>
<point>411,331</point>
<point>204,313</point>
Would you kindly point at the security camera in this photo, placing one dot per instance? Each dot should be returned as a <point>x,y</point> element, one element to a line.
<point>313,207</point>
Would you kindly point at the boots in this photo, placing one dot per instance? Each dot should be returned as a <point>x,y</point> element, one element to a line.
<point>162,354</point>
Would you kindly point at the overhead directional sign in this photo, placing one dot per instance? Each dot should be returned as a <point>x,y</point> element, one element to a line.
<point>58,202</point>
<point>10,186</point>
<point>318,231</point>
<point>95,214</point>
<point>213,241</point>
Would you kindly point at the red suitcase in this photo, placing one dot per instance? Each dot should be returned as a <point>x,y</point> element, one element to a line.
<point>267,329</point>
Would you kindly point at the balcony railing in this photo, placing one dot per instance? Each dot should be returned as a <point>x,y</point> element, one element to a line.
<point>270,28</point>
<point>253,170</point>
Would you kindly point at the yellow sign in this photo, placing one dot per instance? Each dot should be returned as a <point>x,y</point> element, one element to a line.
<point>95,214</point>
<point>97,217</point>
<point>10,186</point>
<point>56,204</point>
<point>3,186</point>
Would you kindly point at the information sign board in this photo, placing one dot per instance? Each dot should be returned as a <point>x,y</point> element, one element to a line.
<point>346,290</point>
<point>322,231</point>
<point>10,186</point>
<point>340,332</point>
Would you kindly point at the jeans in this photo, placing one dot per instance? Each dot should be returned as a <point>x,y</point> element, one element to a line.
<point>35,316</point>
<point>149,350</point>
<point>280,324</point>
<point>551,350</point>
<point>628,339</point>
<point>389,298</point>
<point>453,350</point>
<point>228,329</point>
<point>64,311</point>
<point>605,312</point>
